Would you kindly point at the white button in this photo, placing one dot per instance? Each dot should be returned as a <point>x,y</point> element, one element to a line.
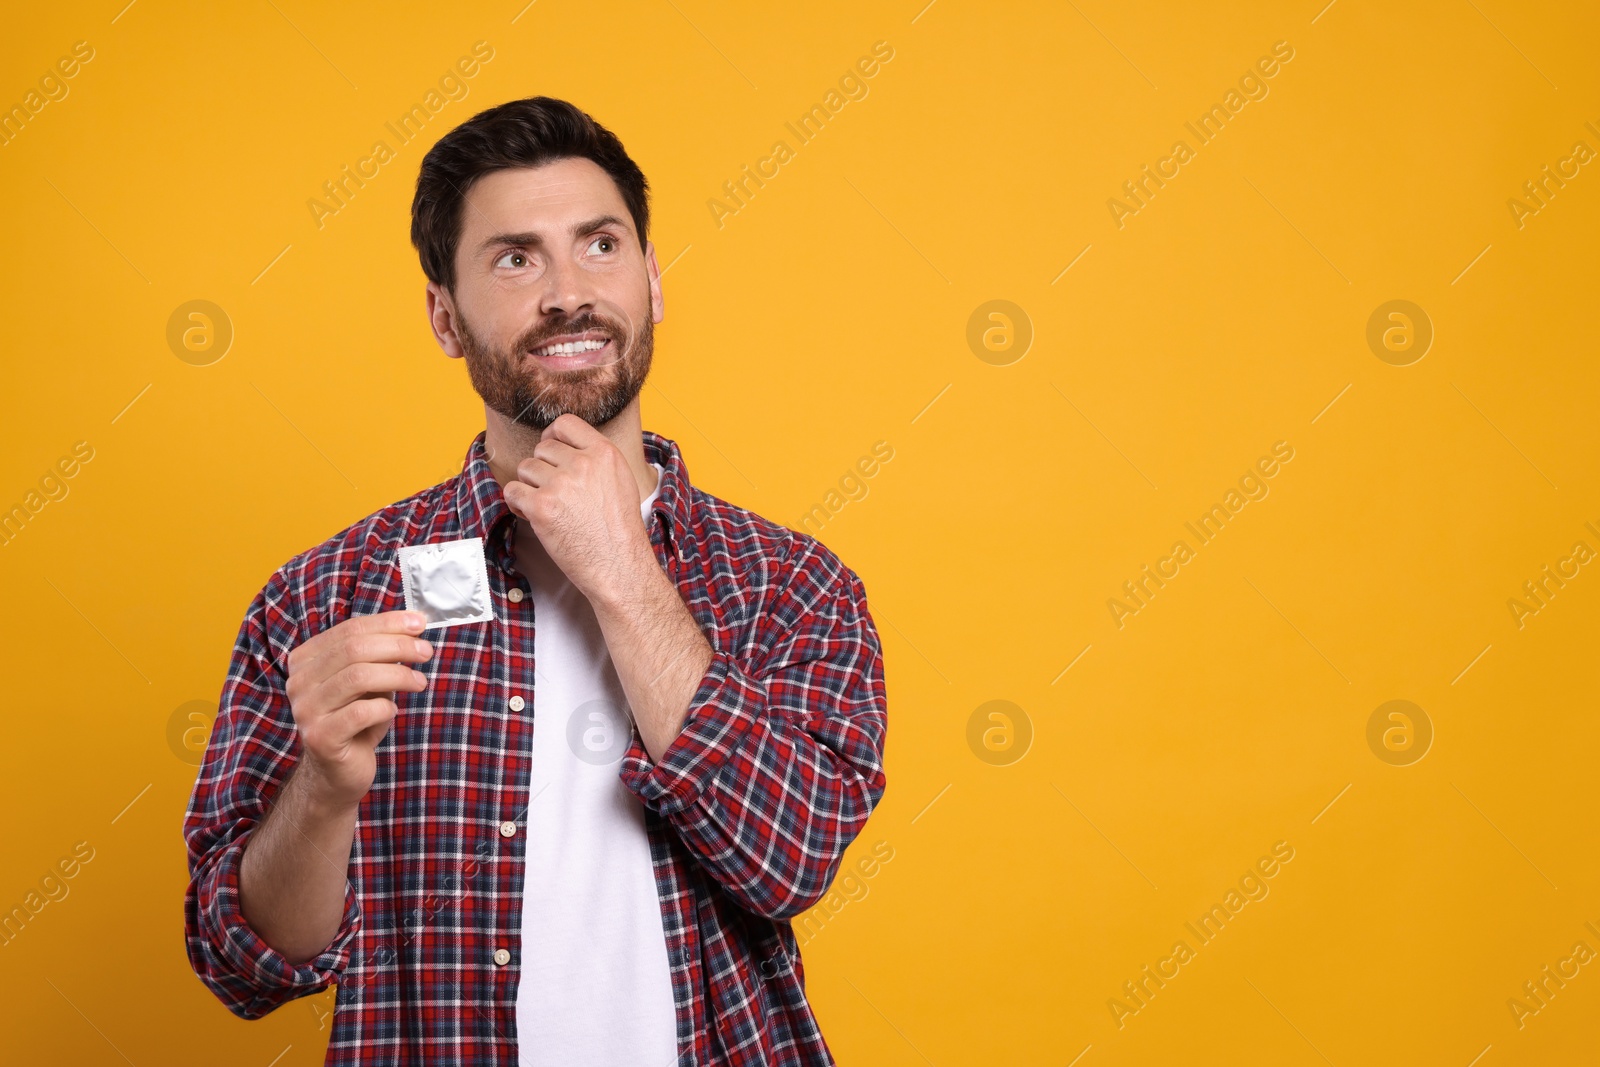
<point>517,704</point>
<point>508,829</point>
<point>502,957</point>
<point>514,595</point>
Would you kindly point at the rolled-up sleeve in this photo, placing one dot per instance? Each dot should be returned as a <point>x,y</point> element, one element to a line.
<point>249,755</point>
<point>780,759</point>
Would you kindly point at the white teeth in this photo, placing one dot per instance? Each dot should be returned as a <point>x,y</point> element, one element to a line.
<point>569,349</point>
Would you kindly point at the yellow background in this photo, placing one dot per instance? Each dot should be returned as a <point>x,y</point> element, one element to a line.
<point>828,314</point>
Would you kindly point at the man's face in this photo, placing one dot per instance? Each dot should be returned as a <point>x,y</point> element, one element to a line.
<point>554,302</point>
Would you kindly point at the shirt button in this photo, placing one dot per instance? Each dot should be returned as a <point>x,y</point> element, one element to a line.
<point>502,957</point>
<point>514,595</point>
<point>508,829</point>
<point>517,704</point>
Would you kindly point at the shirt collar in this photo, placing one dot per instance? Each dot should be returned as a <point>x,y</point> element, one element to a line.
<point>481,506</point>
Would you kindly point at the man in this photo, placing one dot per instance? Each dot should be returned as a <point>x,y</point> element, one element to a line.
<point>575,832</point>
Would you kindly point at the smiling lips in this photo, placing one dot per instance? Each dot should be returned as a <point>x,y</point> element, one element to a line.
<point>572,350</point>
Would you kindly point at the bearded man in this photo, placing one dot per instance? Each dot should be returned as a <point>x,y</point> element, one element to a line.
<point>573,824</point>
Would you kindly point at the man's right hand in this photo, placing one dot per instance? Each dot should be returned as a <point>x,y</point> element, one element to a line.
<point>342,685</point>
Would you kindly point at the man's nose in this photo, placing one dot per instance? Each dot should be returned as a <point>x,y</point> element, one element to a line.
<point>568,290</point>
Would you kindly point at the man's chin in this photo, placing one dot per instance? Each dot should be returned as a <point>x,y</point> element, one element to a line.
<point>588,411</point>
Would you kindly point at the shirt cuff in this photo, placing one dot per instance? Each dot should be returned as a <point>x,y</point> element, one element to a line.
<point>262,966</point>
<point>724,707</point>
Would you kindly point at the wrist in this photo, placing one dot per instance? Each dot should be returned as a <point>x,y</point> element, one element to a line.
<point>317,797</point>
<point>630,585</point>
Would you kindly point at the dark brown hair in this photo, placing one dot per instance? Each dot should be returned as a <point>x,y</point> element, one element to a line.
<point>518,133</point>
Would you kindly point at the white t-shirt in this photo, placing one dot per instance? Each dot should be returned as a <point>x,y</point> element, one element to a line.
<point>595,984</point>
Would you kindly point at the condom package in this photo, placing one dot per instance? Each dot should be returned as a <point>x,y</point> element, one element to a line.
<point>447,582</point>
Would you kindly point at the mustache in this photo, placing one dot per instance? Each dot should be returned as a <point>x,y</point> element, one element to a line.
<point>578,324</point>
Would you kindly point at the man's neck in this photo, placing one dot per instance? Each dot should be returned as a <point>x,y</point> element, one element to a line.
<point>508,443</point>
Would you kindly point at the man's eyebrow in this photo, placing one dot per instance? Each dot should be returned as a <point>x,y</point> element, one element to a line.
<point>530,239</point>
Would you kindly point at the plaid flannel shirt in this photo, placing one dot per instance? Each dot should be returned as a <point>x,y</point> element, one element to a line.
<point>748,812</point>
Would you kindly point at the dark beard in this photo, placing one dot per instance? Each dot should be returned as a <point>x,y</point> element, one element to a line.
<point>512,383</point>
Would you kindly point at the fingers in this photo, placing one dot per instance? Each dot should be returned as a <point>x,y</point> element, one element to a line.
<point>365,720</point>
<point>409,622</point>
<point>342,689</point>
<point>386,648</point>
<point>553,451</point>
<point>572,430</point>
<point>359,639</point>
<point>513,497</point>
<point>549,456</point>
<point>535,471</point>
<point>302,655</point>
<point>355,681</point>
<point>358,726</point>
<point>352,680</point>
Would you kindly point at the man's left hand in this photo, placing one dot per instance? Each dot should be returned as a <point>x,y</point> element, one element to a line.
<point>580,496</point>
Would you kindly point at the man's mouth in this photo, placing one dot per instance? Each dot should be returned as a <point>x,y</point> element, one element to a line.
<point>574,350</point>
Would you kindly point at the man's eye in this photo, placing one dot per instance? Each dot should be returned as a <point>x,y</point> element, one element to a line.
<point>611,246</point>
<point>512,258</point>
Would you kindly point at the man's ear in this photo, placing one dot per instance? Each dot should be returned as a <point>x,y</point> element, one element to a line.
<point>442,319</point>
<point>658,303</point>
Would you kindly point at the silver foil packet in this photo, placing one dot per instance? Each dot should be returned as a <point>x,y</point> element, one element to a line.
<point>447,582</point>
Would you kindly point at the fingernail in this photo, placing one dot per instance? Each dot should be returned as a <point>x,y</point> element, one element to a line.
<point>415,621</point>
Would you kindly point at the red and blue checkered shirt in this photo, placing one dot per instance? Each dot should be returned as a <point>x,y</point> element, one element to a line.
<point>748,812</point>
